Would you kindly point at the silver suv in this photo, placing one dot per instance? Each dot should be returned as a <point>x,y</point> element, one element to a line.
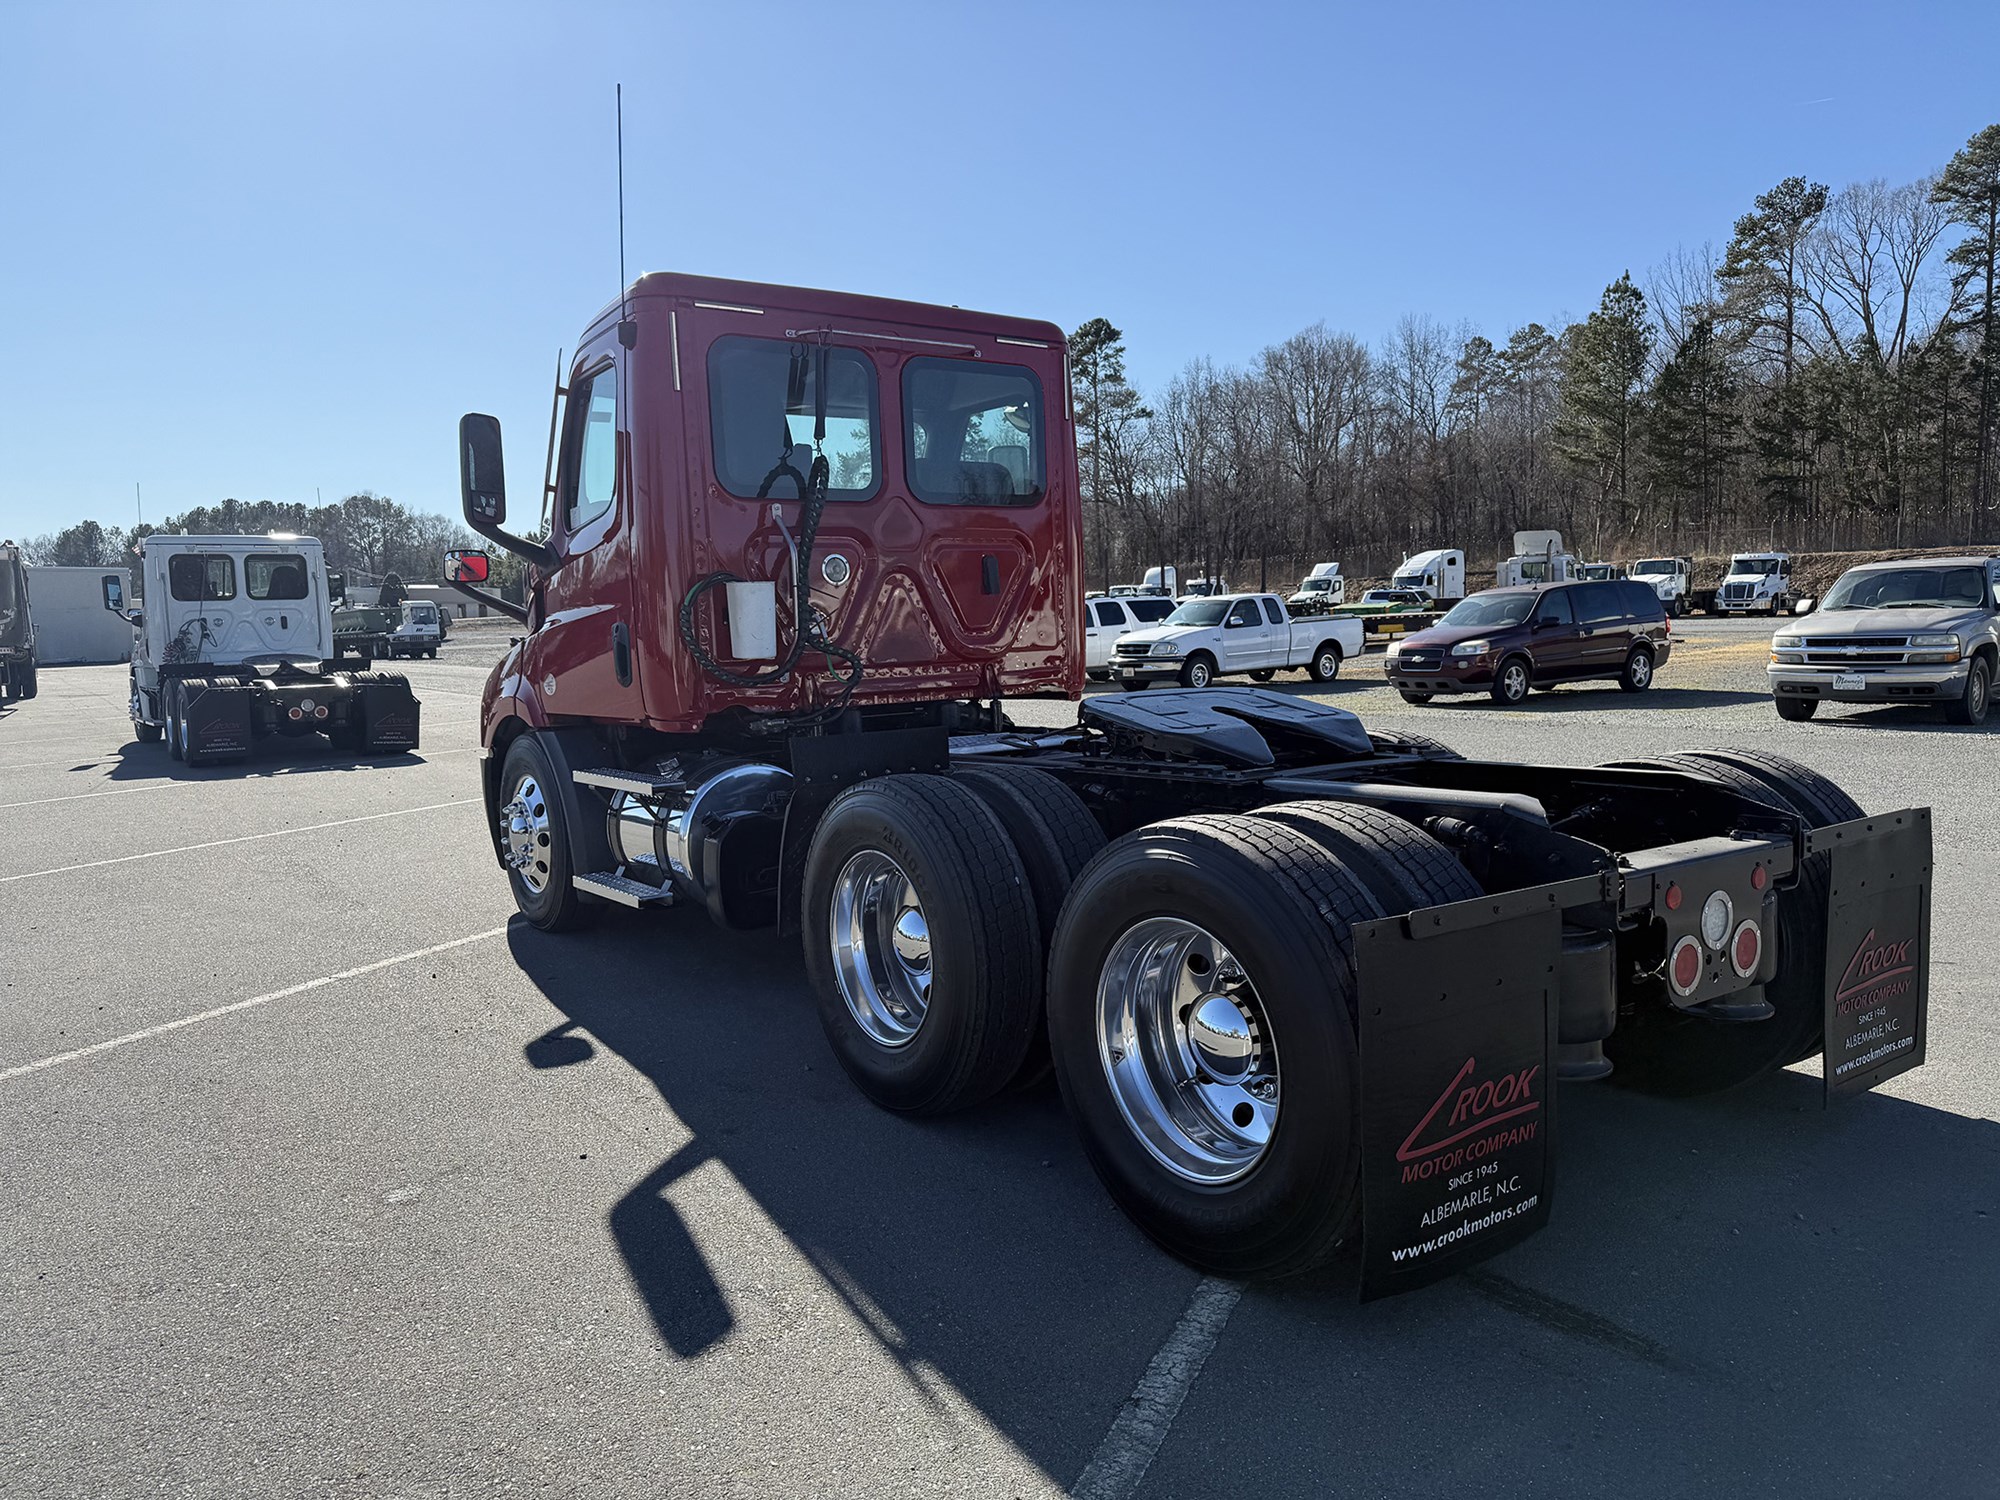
<point>1925,630</point>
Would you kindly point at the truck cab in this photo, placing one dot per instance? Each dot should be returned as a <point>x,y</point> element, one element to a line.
<point>1439,574</point>
<point>1670,578</point>
<point>1538,558</point>
<point>1320,589</point>
<point>420,632</point>
<point>232,643</point>
<point>1757,582</point>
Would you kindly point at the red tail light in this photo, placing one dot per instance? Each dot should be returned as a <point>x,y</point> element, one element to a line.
<point>1745,949</point>
<point>1685,971</point>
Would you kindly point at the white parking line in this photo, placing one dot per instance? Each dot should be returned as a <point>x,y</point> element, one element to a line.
<point>1127,1451</point>
<point>255,1000</point>
<point>158,786</point>
<point>247,838</point>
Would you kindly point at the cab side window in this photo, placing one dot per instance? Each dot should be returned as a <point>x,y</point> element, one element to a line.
<point>1152,611</point>
<point>1274,612</point>
<point>1243,612</point>
<point>1109,614</point>
<point>594,475</point>
<point>201,576</point>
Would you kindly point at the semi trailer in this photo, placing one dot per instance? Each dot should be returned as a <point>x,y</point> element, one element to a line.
<point>233,644</point>
<point>19,669</point>
<point>1300,983</point>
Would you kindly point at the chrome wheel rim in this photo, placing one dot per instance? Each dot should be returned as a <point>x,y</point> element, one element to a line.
<point>881,945</point>
<point>524,833</point>
<point>1198,675</point>
<point>1515,679</point>
<point>1187,1050</point>
<point>1642,669</point>
<point>1328,665</point>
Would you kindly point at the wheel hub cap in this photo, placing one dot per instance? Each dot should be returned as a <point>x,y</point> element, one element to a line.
<point>525,834</point>
<point>881,944</point>
<point>1187,1050</point>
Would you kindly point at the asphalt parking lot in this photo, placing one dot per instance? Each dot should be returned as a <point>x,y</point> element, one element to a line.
<point>324,1177</point>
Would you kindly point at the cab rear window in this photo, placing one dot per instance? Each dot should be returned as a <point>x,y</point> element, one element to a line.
<point>201,575</point>
<point>275,577</point>
<point>973,432</point>
<point>763,403</point>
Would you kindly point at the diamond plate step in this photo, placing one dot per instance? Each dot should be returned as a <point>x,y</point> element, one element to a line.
<point>638,783</point>
<point>623,889</point>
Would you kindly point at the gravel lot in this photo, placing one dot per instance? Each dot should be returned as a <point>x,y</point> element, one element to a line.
<point>376,1192</point>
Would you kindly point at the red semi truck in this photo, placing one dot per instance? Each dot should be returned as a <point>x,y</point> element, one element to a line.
<point>1295,980</point>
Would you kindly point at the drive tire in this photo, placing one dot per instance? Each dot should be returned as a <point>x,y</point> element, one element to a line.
<point>1198,671</point>
<point>1658,1049</point>
<point>1285,908</point>
<point>1403,866</point>
<point>1637,673</point>
<point>1795,710</point>
<point>982,950</point>
<point>1325,663</point>
<point>1977,698</point>
<point>557,906</point>
<point>1055,836</point>
<point>1511,681</point>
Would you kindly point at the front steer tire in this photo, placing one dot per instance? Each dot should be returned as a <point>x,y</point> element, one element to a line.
<point>980,951</point>
<point>1657,1048</point>
<point>1285,908</point>
<point>555,906</point>
<point>1796,710</point>
<point>1971,705</point>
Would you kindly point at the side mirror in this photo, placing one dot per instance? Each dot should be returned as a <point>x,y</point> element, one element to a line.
<point>1805,606</point>
<point>467,567</point>
<point>114,594</point>
<point>482,479</point>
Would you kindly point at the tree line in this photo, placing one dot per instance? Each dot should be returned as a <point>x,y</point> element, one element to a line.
<point>368,536</point>
<point>1829,380</point>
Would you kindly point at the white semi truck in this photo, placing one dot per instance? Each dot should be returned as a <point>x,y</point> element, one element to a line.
<point>1319,590</point>
<point>232,644</point>
<point>1440,574</point>
<point>1538,558</point>
<point>1756,583</point>
<point>1672,578</point>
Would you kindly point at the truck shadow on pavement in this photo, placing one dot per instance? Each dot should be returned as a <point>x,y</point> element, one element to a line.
<point>1746,1287</point>
<point>272,757</point>
<point>1902,719</point>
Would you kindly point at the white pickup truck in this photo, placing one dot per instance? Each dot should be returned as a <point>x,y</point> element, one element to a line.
<point>1230,634</point>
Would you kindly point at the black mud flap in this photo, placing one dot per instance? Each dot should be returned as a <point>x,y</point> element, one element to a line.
<point>1878,941</point>
<point>389,716</point>
<point>1458,1010</point>
<point>218,722</point>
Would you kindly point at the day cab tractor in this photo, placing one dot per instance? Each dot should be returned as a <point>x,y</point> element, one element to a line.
<point>1296,981</point>
<point>231,646</point>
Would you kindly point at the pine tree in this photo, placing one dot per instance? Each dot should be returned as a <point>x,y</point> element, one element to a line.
<point>1969,186</point>
<point>1107,409</point>
<point>1603,391</point>
<point>1694,427</point>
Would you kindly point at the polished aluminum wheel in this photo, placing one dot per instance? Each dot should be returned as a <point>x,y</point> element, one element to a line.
<point>1641,669</point>
<point>1187,1050</point>
<point>881,947</point>
<point>1514,681</point>
<point>524,834</point>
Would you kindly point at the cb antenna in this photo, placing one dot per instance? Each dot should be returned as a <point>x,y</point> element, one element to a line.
<point>628,331</point>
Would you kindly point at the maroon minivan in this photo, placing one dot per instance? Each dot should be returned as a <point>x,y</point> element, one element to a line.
<point>1506,641</point>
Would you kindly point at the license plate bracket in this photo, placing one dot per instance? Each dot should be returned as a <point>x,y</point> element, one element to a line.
<point>1849,682</point>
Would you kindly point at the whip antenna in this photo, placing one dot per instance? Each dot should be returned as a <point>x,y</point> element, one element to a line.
<point>628,331</point>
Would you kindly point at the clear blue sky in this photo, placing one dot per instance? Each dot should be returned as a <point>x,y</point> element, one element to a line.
<point>257,249</point>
